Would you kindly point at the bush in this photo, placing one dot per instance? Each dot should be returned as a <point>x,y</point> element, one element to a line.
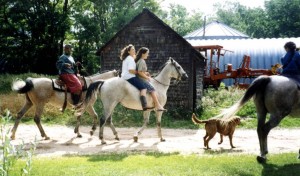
<point>214,101</point>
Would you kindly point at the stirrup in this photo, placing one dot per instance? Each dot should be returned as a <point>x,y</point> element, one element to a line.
<point>161,110</point>
<point>148,108</point>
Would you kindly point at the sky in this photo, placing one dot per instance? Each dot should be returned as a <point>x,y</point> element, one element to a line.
<point>206,6</point>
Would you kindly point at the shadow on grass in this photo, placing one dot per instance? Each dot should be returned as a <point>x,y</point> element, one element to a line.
<point>123,155</point>
<point>285,170</point>
<point>222,151</point>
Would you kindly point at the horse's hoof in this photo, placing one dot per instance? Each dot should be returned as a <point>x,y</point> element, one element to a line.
<point>103,142</point>
<point>117,138</point>
<point>47,138</point>
<point>79,135</point>
<point>91,133</point>
<point>162,140</point>
<point>261,159</point>
<point>12,137</point>
<point>75,130</point>
<point>135,138</point>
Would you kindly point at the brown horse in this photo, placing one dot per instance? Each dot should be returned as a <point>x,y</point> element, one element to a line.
<point>40,91</point>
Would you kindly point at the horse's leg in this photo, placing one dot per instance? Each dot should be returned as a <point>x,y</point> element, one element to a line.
<point>76,130</point>
<point>273,122</point>
<point>158,123</point>
<point>37,119</point>
<point>20,114</point>
<point>146,115</point>
<point>112,127</point>
<point>108,108</point>
<point>90,109</point>
<point>261,119</point>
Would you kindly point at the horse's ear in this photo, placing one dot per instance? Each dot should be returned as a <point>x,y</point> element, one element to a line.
<point>171,59</point>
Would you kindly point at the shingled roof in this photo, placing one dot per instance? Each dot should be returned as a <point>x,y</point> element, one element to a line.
<point>215,30</point>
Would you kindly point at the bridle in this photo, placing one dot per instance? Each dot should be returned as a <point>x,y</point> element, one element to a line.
<point>177,79</point>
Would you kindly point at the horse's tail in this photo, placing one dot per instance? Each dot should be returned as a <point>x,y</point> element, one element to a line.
<point>258,85</point>
<point>91,93</point>
<point>21,86</point>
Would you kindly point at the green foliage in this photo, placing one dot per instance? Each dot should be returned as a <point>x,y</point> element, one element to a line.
<point>250,21</point>
<point>214,101</point>
<point>283,18</point>
<point>181,21</point>
<point>30,35</point>
<point>152,163</point>
<point>96,22</point>
<point>11,153</point>
<point>33,32</point>
<point>277,19</point>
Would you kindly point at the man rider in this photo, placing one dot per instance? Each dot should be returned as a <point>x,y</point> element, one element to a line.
<point>68,74</point>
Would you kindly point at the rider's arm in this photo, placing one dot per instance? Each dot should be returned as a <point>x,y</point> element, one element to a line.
<point>143,75</point>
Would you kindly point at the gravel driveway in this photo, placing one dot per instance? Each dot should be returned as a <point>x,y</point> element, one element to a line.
<point>184,141</point>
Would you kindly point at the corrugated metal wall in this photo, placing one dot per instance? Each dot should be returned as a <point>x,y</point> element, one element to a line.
<point>263,52</point>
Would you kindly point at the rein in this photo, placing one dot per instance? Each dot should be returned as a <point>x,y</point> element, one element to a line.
<point>177,79</point>
<point>161,83</point>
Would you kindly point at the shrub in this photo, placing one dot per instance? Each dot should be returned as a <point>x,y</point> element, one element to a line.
<point>214,101</point>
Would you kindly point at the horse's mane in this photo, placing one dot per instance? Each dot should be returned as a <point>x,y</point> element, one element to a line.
<point>160,69</point>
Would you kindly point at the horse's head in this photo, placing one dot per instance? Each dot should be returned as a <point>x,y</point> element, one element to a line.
<point>177,71</point>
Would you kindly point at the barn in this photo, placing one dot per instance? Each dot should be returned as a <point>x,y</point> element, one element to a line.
<point>146,29</point>
<point>264,52</point>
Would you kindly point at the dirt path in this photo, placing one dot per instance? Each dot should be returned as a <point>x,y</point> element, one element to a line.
<point>63,141</point>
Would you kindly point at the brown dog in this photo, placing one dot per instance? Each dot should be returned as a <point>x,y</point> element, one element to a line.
<point>212,126</point>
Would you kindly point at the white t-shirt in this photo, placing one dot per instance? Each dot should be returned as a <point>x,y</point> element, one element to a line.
<point>128,64</point>
<point>71,59</point>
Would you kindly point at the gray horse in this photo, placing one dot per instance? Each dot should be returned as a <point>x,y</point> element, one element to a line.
<point>117,90</point>
<point>277,95</point>
<point>39,92</point>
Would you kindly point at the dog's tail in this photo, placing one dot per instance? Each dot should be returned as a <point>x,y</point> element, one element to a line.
<point>196,120</point>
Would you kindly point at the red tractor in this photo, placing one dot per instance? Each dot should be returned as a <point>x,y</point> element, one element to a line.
<point>213,76</point>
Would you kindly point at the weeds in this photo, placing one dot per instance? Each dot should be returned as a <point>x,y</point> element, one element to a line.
<point>214,101</point>
<point>11,153</point>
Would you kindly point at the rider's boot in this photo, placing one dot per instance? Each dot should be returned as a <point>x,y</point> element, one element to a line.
<point>76,98</point>
<point>144,103</point>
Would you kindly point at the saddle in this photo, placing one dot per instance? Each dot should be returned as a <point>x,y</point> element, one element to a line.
<point>60,86</point>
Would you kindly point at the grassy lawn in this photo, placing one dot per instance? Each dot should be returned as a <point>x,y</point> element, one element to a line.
<point>152,164</point>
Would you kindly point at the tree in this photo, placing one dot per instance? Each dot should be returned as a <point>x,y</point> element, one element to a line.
<point>97,21</point>
<point>283,17</point>
<point>31,33</point>
<point>181,21</point>
<point>278,19</point>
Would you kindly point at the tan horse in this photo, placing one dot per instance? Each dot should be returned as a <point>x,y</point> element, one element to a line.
<point>117,90</point>
<point>40,91</point>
